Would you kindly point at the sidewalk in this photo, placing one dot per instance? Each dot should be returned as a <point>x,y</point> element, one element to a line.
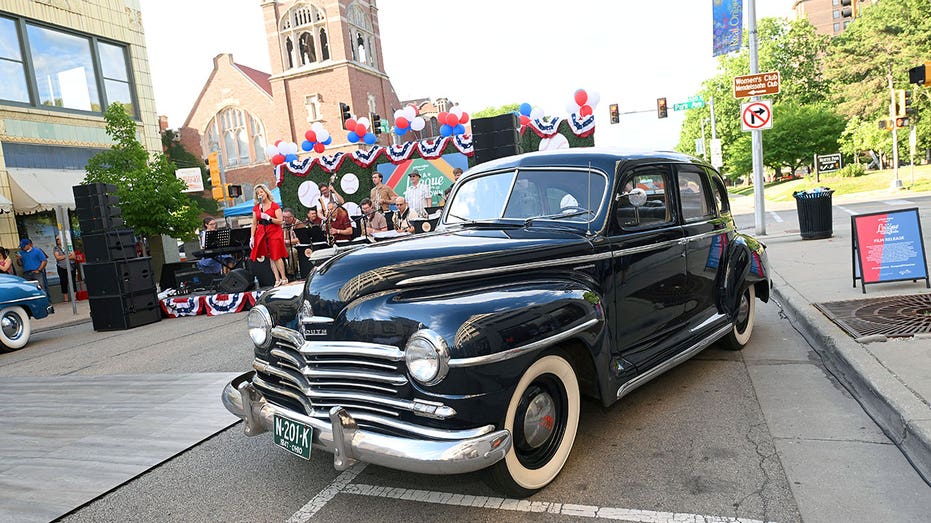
<point>890,378</point>
<point>64,316</point>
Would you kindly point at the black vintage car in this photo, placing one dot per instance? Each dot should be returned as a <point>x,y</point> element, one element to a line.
<point>552,276</point>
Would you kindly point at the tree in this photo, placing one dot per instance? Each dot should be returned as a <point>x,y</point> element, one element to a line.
<point>495,111</point>
<point>803,131</point>
<point>181,157</point>
<point>792,48</point>
<point>150,195</point>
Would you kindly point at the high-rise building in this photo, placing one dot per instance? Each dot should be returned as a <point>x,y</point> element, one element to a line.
<point>830,17</point>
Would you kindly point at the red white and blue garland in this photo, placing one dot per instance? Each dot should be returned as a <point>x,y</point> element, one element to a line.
<point>176,307</point>
<point>217,304</point>
<point>395,154</point>
<point>211,305</point>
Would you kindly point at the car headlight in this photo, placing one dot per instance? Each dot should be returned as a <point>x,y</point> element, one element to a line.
<point>427,357</point>
<point>260,326</point>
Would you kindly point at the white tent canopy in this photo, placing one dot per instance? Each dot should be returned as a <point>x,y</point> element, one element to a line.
<point>37,190</point>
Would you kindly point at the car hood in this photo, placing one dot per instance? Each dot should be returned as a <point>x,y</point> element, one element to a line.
<point>433,258</point>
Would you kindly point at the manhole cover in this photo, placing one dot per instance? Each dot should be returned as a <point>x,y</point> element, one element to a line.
<point>890,316</point>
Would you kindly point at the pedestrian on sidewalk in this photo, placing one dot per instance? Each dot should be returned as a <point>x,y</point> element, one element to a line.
<point>61,263</point>
<point>33,261</point>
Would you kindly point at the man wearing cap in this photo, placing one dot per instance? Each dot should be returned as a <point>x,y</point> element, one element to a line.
<point>418,196</point>
<point>34,262</point>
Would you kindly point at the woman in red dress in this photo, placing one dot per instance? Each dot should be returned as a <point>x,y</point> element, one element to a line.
<point>267,236</point>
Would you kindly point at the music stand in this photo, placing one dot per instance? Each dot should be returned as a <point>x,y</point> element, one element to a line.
<point>216,239</point>
<point>310,235</point>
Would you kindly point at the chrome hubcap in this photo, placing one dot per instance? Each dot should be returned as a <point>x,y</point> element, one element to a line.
<point>540,420</point>
<point>743,312</point>
<point>11,326</point>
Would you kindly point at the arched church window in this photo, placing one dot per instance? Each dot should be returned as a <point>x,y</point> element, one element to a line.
<point>308,54</point>
<point>239,144</point>
<point>299,30</point>
<point>361,27</point>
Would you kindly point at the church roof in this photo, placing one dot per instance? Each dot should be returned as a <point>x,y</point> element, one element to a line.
<point>261,79</point>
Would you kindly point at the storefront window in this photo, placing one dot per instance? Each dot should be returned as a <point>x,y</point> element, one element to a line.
<point>13,87</point>
<point>64,69</point>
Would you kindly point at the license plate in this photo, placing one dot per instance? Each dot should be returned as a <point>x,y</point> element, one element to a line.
<point>293,436</point>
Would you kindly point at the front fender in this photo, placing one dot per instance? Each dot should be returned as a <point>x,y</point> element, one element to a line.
<point>283,303</point>
<point>745,264</point>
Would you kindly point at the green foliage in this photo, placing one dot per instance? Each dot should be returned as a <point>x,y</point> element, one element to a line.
<point>803,131</point>
<point>181,157</point>
<point>495,111</point>
<point>150,195</point>
<point>851,170</point>
<point>530,141</point>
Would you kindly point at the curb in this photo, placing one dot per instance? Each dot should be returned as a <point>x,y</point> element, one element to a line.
<point>901,415</point>
<point>69,323</point>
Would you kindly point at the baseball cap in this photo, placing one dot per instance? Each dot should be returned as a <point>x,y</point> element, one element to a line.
<point>24,242</point>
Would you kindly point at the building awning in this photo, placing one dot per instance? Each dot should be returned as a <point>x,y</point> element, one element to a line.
<point>5,205</point>
<point>36,190</point>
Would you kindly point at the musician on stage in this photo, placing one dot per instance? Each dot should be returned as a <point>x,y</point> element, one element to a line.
<point>213,264</point>
<point>313,218</point>
<point>382,195</point>
<point>338,223</point>
<point>267,236</point>
<point>289,223</point>
<point>402,218</point>
<point>372,220</point>
<point>328,195</point>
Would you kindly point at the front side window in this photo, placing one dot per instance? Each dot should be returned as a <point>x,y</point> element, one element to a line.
<point>64,69</point>
<point>12,70</point>
<point>643,200</point>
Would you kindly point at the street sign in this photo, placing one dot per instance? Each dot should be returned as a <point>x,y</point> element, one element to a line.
<point>684,106</point>
<point>191,178</point>
<point>699,146</point>
<point>755,116</point>
<point>756,84</point>
<point>717,159</point>
<point>828,163</point>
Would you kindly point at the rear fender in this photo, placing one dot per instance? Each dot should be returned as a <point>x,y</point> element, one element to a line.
<point>744,265</point>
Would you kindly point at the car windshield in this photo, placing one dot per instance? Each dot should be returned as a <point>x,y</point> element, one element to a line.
<point>562,194</point>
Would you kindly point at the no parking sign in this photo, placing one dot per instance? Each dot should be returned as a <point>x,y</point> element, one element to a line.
<point>755,116</point>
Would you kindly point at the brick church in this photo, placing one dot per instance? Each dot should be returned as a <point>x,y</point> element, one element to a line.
<point>322,52</point>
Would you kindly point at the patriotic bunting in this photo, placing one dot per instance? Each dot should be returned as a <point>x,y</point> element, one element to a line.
<point>182,306</point>
<point>217,304</point>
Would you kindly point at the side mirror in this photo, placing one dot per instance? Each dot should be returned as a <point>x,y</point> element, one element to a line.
<point>637,197</point>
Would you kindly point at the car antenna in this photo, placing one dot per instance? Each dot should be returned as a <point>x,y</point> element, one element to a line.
<point>588,223</point>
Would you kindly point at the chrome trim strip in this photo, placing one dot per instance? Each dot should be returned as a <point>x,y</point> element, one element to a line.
<point>391,379</point>
<point>351,348</point>
<point>505,268</point>
<point>647,248</point>
<point>629,386</point>
<point>262,384</point>
<point>713,319</point>
<point>309,320</point>
<point>709,234</point>
<point>520,351</point>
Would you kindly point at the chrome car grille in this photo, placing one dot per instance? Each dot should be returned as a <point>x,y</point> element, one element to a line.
<point>366,379</point>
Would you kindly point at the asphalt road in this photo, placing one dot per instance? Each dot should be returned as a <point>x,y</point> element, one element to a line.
<point>764,434</point>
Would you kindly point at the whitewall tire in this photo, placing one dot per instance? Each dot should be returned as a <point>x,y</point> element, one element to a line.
<point>14,328</point>
<point>743,321</point>
<point>543,418</point>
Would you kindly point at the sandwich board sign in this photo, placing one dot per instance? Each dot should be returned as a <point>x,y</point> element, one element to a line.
<point>888,246</point>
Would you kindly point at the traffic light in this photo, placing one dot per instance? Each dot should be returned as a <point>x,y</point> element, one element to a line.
<point>234,190</point>
<point>885,124</point>
<point>899,103</point>
<point>216,187</point>
<point>920,75</point>
<point>615,115</point>
<point>661,107</point>
<point>344,114</point>
<point>902,122</point>
<point>909,110</point>
<point>848,9</point>
<point>376,123</point>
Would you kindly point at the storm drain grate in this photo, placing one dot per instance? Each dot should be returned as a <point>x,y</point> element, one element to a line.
<point>890,316</point>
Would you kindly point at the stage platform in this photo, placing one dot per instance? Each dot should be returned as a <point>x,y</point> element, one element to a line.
<point>210,303</point>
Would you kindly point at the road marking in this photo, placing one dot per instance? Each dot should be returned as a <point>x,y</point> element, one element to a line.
<point>324,496</point>
<point>898,202</point>
<point>846,210</point>
<point>775,216</point>
<point>523,505</point>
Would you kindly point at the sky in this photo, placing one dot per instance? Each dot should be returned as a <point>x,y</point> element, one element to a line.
<point>480,53</point>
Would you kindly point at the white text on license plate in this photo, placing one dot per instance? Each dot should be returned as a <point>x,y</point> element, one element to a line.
<point>293,436</point>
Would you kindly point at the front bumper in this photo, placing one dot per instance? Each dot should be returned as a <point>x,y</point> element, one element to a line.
<point>343,438</point>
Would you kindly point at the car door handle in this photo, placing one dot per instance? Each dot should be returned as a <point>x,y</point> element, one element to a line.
<point>683,241</point>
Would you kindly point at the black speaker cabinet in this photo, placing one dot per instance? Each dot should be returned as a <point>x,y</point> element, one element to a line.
<point>168,279</point>
<point>99,212</point>
<point>124,311</point>
<point>486,155</point>
<point>93,189</point>
<point>109,245</point>
<point>119,277</point>
<point>263,271</point>
<point>82,203</point>
<point>493,124</point>
<point>238,280</point>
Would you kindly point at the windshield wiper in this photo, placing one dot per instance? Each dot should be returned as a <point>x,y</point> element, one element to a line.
<point>558,216</point>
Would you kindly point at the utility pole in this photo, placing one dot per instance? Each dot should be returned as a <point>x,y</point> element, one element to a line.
<point>756,136</point>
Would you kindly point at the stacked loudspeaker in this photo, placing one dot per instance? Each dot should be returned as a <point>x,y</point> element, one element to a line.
<point>495,137</point>
<point>120,284</point>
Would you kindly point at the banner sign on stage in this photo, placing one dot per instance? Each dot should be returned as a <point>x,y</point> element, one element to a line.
<point>887,247</point>
<point>727,26</point>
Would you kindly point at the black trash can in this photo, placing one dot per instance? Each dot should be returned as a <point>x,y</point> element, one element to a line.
<point>815,218</point>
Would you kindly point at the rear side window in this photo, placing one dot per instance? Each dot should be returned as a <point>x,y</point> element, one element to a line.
<point>694,195</point>
<point>720,194</point>
<point>657,211</point>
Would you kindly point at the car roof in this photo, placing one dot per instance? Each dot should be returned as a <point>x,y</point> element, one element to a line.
<point>582,156</point>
